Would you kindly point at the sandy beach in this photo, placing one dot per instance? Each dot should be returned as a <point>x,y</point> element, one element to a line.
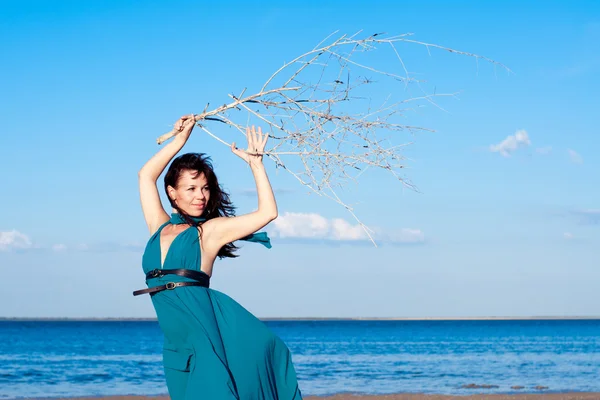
<point>400,396</point>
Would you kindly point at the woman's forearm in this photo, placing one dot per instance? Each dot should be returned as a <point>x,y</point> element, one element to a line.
<point>266,199</point>
<point>156,165</point>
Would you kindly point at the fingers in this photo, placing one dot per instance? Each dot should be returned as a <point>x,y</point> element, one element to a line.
<point>185,121</point>
<point>257,137</point>
<point>188,127</point>
<point>235,150</point>
<point>249,138</point>
<point>240,153</point>
<point>260,140</point>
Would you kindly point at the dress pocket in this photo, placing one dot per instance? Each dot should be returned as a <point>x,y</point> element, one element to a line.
<point>177,359</point>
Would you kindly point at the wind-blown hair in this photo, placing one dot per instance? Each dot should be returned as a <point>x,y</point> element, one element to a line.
<point>219,204</point>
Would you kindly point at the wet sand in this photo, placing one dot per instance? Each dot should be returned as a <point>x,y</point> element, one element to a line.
<point>400,396</point>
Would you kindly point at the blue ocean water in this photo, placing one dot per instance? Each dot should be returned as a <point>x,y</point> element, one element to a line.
<point>71,358</point>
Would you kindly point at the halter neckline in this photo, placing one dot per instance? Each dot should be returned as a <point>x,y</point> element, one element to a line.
<point>177,218</point>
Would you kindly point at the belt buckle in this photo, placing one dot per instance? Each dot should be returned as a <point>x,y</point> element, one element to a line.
<point>170,285</point>
<point>155,273</point>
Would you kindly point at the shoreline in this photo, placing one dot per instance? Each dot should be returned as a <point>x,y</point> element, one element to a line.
<point>153,319</point>
<point>396,396</point>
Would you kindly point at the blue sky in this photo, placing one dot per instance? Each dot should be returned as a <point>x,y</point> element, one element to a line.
<point>506,221</point>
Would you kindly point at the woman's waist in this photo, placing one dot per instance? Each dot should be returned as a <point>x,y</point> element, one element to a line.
<point>158,280</point>
<point>177,275</point>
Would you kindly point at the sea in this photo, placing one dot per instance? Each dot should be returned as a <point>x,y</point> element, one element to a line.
<point>45,359</point>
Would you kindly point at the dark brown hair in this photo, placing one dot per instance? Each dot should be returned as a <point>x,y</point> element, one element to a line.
<point>219,204</point>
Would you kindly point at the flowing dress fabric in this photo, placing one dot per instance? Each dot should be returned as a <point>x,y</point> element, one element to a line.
<point>214,348</point>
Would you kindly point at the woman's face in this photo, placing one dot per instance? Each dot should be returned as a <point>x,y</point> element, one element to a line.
<point>191,194</point>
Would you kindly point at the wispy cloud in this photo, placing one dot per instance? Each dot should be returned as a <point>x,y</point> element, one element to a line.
<point>315,227</point>
<point>59,247</point>
<point>544,150</point>
<point>587,216</point>
<point>575,157</point>
<point>521,139</point>
<point>568,235</point>
<point>511,143</point>
<point>294,227</point>
<point>14,240</point>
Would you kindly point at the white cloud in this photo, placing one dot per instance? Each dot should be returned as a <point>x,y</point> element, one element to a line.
<point>314,226</point>
<point>14,240</point>
<point>575,157</point>
<point>305,225</point>
<point>59,247</point>
<point>544,150</point>
<point>568,235</point>
<point>511,143</point>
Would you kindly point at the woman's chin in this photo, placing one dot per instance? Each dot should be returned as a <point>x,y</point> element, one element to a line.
<point>196,212</point>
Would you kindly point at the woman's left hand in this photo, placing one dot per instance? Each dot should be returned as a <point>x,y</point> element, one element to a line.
<point>256,146</point>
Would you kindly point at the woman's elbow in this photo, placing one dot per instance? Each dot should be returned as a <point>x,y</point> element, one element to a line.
<point>270,215</point>
<point>144,174</point>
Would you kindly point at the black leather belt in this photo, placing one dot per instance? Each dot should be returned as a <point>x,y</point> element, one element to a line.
<point>188,273</point>
<point>201,279</point>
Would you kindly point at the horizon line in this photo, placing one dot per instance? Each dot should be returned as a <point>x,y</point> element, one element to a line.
<point>488,318</point>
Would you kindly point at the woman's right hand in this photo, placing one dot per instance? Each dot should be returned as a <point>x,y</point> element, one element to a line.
<point>185,125</point>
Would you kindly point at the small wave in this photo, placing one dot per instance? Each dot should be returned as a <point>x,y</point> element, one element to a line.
<point>48,358</point>
<point>92,377</point>
<point>32,373</point>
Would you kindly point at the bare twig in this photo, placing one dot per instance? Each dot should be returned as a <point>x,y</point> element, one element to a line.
<point>320,118</point>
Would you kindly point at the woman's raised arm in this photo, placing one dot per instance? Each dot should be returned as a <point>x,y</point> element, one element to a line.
<point>154,213</point>
<point>229,229</point>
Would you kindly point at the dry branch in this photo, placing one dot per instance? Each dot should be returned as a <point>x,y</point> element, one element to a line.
<point>318,109</point>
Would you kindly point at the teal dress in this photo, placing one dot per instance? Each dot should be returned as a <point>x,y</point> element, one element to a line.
<point>214,349</point>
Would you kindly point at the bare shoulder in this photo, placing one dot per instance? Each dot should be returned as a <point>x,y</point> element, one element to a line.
<point>154,225</point>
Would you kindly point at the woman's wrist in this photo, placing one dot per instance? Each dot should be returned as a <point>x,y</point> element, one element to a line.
<point>256,164</point>
<point>179,141</point>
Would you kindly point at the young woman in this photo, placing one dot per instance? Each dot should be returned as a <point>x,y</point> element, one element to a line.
<point>214,349</point>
